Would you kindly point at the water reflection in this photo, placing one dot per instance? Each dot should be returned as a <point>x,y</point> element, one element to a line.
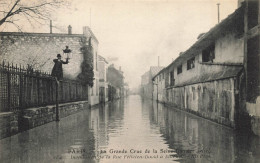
<point>131,126</point>
<point>208,141</point>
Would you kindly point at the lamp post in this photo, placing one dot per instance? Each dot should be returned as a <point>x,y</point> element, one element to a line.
<point>68,52</point>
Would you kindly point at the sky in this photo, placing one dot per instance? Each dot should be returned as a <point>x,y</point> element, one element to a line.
<point>136,32</point>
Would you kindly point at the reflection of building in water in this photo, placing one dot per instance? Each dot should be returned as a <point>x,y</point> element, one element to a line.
<point>95,128</point>
<point>102,119</point>
<point>213,142</point>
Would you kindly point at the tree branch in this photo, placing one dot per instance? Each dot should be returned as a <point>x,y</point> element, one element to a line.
<point>36,12</point>
<point>9,13</point>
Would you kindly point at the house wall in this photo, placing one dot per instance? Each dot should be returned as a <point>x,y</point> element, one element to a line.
<point>39,50</point>
<point>252,60</point>
<point>229,49</point>
<point>93,91</point>
<point>212,100</point>
<point>161,89</point>
<point>102,67</point>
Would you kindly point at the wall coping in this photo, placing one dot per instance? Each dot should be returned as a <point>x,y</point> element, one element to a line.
<point>4,114</point>
<point>40,34</point>
<point>63,104</point>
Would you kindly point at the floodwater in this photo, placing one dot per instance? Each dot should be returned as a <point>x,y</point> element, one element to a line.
<point>130,130</point>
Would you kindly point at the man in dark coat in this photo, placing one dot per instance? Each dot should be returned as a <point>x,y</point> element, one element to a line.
<point>57,68</point>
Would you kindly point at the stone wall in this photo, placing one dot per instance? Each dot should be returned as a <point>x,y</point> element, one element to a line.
<point>8,124</point>
<point>39,50</point>
<point>34,117</point>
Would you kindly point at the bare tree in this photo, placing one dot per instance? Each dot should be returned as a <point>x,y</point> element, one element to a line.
<point>11,11</point>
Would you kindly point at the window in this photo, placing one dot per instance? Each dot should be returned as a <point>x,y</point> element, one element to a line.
<point>191,63</point>
<point>208,54</point>
<point>172,80</point>
<point>179,69</point>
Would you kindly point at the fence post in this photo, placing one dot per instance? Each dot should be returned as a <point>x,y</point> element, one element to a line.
<point>21,97</point>
<point>57,101</point>
<point>8,90</point>
<point>38,88</point>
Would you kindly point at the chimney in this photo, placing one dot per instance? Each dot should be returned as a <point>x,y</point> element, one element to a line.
<point>180,53</point>
<point>86,31</point>
<point>119,68</point>
<point>69,30</point>
<point>50,26</point>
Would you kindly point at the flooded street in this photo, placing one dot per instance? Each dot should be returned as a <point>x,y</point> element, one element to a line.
<point>130,130</point>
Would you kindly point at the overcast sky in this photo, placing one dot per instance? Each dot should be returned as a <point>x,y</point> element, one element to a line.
<point>138,31</point>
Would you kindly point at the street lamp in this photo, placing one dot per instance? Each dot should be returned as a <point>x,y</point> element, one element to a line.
<point>68,52</point>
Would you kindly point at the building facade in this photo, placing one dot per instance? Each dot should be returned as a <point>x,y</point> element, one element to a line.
<point>218,76</point>
<point>94,90</point>
<point>103,84</point>
<point>115,79</point>
<point>147,85</point>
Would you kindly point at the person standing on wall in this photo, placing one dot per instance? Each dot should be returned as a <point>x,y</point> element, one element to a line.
<point>57,71</point>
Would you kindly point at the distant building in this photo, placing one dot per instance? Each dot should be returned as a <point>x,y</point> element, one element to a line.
<point>115,79</point>
<point>146,82</point>
<point>103,84</point>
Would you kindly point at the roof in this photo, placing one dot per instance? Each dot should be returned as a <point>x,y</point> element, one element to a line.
<point>92,34</point>
<point>112,67</point>
<point>155,69</point>
<point>233,21</point>
<point>100,58</point>
<point>228,72</point>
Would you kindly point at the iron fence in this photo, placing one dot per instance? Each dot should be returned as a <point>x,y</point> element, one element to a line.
<point>24,87</point>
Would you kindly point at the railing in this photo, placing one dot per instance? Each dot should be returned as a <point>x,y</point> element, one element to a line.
<point>24,87</point>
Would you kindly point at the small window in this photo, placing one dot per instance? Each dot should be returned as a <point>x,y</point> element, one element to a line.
<point>191,63</point>
<point>179,69</point>
<point>208,54</point>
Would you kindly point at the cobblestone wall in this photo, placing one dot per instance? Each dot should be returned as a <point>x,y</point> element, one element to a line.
<point>34,117</point>
<point>8,124</point>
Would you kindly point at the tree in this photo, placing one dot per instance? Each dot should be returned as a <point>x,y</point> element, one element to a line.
<point>86,77</point>
<point>11,11</point>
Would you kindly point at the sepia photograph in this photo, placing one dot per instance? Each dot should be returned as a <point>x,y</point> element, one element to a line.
<point>129,81</point>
